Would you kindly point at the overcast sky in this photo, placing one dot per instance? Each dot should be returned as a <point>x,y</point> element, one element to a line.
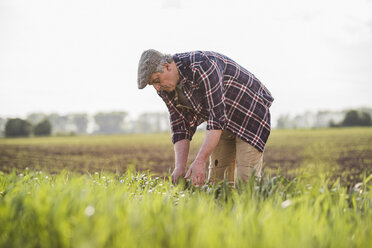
<point>72,56</point>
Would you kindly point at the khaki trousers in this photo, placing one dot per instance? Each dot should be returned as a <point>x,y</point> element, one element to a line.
<point>234,158</point>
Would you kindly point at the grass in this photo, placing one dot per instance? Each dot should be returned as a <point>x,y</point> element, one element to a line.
<point>68,209</point>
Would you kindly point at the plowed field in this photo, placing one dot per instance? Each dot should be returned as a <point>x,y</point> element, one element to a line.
<point>338,153</point>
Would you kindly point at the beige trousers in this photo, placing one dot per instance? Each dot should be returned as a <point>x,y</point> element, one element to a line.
<point>234,158</point>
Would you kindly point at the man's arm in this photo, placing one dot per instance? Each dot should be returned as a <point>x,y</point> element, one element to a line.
<point>181,149</point>
<point>197,168</point>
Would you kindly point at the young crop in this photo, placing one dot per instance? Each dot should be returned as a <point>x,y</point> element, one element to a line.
<point>136,209</point>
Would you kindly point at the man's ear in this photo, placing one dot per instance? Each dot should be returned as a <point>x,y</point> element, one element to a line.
<point>167,66</point>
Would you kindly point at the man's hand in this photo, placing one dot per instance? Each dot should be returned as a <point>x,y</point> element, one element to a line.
<point>197,171</point>
<point>197,168</point>
<point>178,172</point>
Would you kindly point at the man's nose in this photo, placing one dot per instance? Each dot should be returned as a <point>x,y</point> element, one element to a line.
<point>156,86</point>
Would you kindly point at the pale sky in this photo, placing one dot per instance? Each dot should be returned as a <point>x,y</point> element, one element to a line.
<point>72,56</point>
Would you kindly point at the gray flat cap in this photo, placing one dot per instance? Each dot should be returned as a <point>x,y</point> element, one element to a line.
<point>149,61</point>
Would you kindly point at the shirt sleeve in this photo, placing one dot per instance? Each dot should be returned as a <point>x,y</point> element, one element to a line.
<point>183,123</point>
<point>210,76</point>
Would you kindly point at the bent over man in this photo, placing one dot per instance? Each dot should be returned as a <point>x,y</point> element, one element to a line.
<point>207,86</point>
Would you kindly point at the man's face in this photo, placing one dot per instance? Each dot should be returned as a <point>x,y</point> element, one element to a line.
<point>166,80</point>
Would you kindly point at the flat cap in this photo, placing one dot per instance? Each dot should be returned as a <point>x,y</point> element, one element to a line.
<point>149,61</point>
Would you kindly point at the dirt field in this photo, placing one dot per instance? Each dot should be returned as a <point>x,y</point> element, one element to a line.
<point>338,153</point>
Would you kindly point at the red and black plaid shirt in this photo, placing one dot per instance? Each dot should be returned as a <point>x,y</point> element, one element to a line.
<point>222,93</point>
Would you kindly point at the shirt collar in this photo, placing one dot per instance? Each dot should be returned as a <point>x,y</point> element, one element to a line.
<point>182,64</point>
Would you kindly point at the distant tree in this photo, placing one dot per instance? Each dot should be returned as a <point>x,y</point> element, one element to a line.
<point>110,123</point>
<point>355,118</point>
<point>351,119</point>
<point>17,128</point>
<point>80,121</point>
<point>59,123</point>
<point>322,119</point>
<point>35,118</point>
<point>143,124</point>
<point>152,123</point>
<point>284,121</point>
<point>43,128</point>
<point>2,126</point>
<point>365,119</point>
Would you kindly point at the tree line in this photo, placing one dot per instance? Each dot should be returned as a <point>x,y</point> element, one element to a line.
<point>322,119</point>
<point>40,124</point>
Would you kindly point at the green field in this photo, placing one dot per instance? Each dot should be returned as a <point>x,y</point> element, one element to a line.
<point>78,192</point>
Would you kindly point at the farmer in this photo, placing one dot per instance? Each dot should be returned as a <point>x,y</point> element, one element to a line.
<point>207,86</point>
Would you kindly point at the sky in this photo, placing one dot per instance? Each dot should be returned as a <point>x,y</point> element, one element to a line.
<point>76,56</point>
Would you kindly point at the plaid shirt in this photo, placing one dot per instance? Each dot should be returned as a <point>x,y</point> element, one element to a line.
<point>222,93</point>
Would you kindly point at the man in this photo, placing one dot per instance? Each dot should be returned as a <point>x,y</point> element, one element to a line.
<point>207,86</point>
